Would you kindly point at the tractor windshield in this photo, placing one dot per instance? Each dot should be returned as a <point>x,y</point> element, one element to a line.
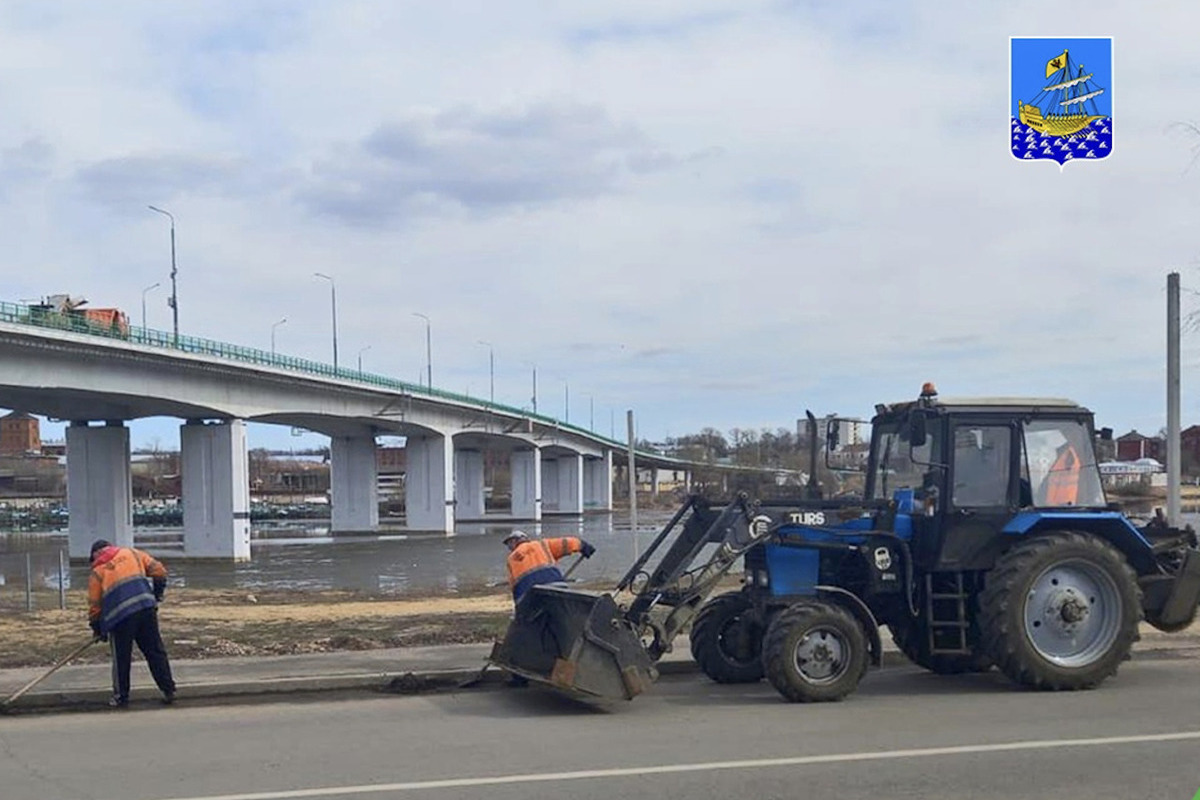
<point>896,465</point>
<point>1058,467</point>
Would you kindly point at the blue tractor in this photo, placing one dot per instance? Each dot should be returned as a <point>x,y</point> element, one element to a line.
<point>982,538</point>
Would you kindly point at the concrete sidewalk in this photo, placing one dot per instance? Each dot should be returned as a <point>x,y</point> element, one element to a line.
<point>397,670</point>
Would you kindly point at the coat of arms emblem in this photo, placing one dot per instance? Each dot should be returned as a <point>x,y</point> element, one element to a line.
<point>1060,104</point>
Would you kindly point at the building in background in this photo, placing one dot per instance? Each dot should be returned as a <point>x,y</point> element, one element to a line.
<point>1133,446</point>
<point>19,434</point>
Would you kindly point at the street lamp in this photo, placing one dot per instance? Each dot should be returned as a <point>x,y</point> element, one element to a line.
<point>591,414</point>
<point>535,388</point>
<point>333,305</point>
<point>173,302</point>
<point>148,288</point>
<point>566,401</point>
<point>273,327</point>
<point>491,366</point>
<point>428,349</point>
<point>360,352</point>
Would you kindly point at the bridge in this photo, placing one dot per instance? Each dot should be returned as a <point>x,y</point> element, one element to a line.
<point>100,378</point>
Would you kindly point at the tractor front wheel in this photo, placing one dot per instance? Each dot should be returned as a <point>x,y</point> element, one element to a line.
<point>815,652</point>
<point>727,640</point>
<point>1060,611</point>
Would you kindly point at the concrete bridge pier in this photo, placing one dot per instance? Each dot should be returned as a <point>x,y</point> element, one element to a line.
<point>215,469</point>
<point>525,467</point>
<point>468,485</point>
<point>429,483</point>
<point>598,482</point>
<point>353,484</point>
<point>562,484</point>
<point>99,487</point>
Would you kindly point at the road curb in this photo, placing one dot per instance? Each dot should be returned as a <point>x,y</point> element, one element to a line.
<point>408,682</point>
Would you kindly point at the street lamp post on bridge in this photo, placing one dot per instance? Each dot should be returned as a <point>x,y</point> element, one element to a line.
<point>491,368</point>
<point>273,327</point>
<point>148,288</point>
<point>360,352</point>
<point>534,398</point>
<point>174,300</point>
<point>333,306</point>
<point>428,349</point>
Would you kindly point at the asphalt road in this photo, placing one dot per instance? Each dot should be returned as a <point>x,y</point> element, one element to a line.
<point>905,734</point>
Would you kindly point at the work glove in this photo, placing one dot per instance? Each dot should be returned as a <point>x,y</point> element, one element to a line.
<point>97,634</point>
<point>160,588</point>
<point>587,549</point>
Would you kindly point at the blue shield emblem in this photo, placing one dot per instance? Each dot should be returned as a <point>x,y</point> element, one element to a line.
<point>1060,99</point>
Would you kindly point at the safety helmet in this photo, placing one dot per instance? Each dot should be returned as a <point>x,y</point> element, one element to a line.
<point>517,536</point>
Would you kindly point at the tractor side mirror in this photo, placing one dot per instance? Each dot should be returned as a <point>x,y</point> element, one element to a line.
<point>831,436</point>
<point>916,429</point>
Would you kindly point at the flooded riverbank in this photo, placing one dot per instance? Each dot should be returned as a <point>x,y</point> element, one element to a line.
<point>303,555</point>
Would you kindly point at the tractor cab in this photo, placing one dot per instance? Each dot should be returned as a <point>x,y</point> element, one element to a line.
<point>971,465</point>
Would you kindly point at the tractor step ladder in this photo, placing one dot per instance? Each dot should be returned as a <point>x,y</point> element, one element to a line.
<point>946,610</point>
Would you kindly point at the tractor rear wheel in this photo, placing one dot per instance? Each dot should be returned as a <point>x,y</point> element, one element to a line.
<point>727,640</point>
<point>1060,611</point>
<point>815,652</point>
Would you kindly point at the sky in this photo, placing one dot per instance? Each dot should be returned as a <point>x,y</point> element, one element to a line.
<point>712,213</point>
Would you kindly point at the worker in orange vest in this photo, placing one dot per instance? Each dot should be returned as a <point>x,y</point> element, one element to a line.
<point>124,590</point>
<point>1062,484</point>
<point>534,561</point>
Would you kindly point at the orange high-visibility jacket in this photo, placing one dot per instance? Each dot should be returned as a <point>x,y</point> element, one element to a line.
<point>120,584</point>
<point>1062,484</point>
<point>534,561</point>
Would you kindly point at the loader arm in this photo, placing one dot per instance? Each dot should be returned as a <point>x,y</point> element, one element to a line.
<point>678,581</point>
<point>584,643</point>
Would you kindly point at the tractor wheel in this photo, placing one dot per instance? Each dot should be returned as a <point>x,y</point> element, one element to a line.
<point>912,641</point>
<point>815,652</point>
<point>1060,611</point>
<point>727,641</point>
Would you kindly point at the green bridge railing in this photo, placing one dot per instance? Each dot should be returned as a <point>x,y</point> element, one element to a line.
<point>41,318</point>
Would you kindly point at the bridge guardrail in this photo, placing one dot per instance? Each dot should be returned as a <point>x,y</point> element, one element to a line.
<point>27,315</point>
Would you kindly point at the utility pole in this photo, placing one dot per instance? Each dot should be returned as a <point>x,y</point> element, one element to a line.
<point>1173,448</point>
<point>632,484</point>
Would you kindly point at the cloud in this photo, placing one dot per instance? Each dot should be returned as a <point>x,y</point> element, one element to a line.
<point>29,161</point>
<point>810,197</point>
<point>133,179</point>
<point>478,160</point>
<point>669,27</point>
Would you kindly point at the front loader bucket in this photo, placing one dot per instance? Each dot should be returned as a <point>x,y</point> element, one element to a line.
<point>575,641</point>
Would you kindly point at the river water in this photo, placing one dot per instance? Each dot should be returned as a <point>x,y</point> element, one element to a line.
<point>302,555</point>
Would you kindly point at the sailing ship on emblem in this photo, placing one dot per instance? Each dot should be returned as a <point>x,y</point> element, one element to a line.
<point>1061,109</point>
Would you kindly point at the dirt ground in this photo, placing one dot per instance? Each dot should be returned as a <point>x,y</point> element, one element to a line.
<point>200,623</point>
